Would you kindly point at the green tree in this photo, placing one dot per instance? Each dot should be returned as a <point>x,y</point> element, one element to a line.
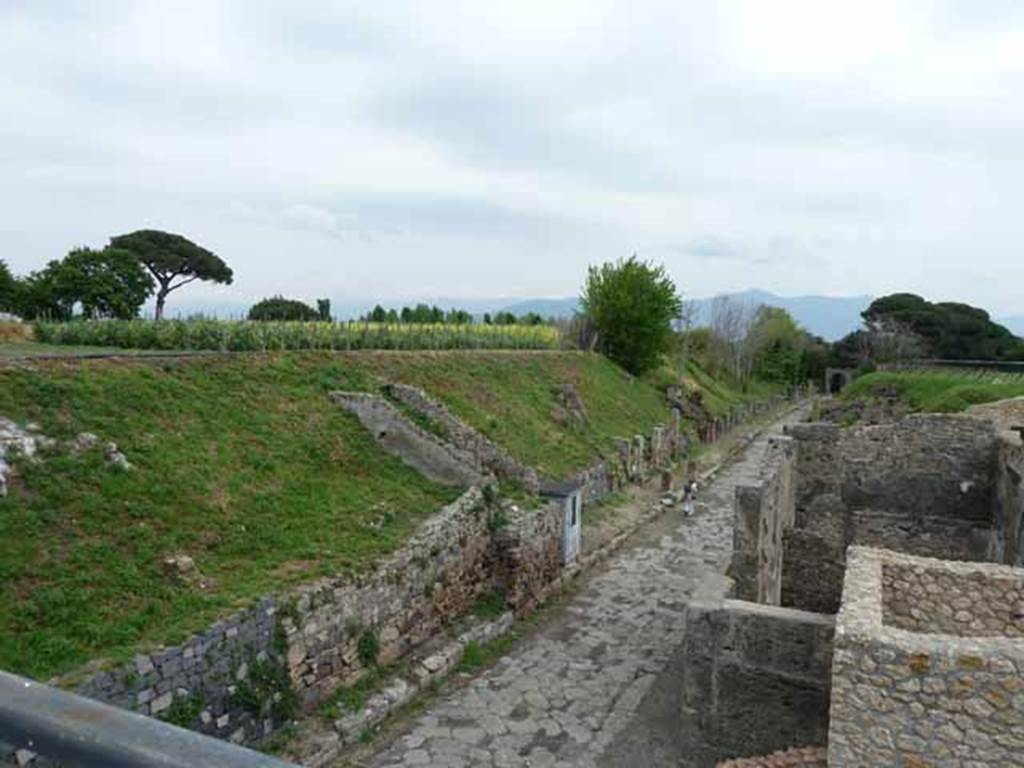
<point>8,289</point>
<point>777,346</point>
<point>947,330</point>
<point>323,309</point>
<point>631,304</point>
<point>110,283</point>
<point>173,260</point>
<point>378,315</point>
<point>280,308</point>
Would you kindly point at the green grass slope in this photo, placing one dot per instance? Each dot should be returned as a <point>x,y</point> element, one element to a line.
<point>242,463</point>
<point>946,391</point>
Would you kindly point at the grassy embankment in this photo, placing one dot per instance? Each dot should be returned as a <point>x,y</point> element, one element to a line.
<point>242,463</point>
<point>935,391</point>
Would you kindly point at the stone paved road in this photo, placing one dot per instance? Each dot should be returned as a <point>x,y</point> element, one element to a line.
<point>597,687</point>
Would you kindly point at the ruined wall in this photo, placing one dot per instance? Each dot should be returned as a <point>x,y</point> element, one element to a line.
<point>762,513</point>
<point>936,466</point>
<point>634,459</point>
<point>473,448</point>
<point>756,679</point>
<point>528,556</point>
<point>926,485</point>
<point>245,675</point>
<point>1007,543</point>
<point>421,450</point>
<point>907,696</point>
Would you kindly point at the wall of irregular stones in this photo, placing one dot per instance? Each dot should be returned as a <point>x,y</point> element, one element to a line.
<point>762,513</point>
<point>927,484</point>
<point>245,675</point>
<point>972,602</point>
<point>755,679</point>
<point>910,696</point>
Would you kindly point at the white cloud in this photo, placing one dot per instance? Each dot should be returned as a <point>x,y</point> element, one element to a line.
<point>501,147</point>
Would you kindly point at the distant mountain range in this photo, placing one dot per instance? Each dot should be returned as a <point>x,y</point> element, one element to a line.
<point>830,317</point>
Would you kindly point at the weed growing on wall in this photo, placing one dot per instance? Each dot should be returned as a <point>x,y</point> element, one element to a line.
<point>368,648</point>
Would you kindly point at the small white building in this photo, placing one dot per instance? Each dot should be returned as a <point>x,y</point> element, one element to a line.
<point>570,496</point>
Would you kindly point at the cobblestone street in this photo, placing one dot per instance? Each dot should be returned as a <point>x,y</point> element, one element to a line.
<point>596,687</point>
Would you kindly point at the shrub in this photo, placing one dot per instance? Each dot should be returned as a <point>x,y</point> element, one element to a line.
<point>280,308</point>
<point>632,305</point>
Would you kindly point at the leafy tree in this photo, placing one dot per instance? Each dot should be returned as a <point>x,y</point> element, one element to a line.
<point>631,304</point>
<point>280,308</point>
<point>323,309</point>
<point>530,318</point>
<point>8,288</point>
<point>504,318</point>
<point>110,283</point>
<point>173,260</point>
<point>947,330</point>
<point>378,315</point>
<point>777,345</point>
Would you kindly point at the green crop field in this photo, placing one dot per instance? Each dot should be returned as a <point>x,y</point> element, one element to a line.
<point>247,336</point>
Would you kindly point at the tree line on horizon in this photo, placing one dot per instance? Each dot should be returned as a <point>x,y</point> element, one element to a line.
<point>630,310</point>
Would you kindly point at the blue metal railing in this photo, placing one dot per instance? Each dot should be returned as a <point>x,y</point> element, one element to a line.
<point>77,731</point>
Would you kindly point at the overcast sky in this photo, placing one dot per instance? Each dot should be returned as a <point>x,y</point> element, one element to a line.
<point>388,149</point>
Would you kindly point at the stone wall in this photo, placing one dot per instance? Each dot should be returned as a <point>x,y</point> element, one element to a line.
<point>925,466</point>
<point>1007,543</point>
<point>927,484</point>
<point>245,675</point>
<point>473,448</point>
<point>756,679</point>
<point>398,435</point>
<point>762,513</point>
<point>903,695</point>
<point>634,459</point>
<point>528,556</point>
<point>971,602</point>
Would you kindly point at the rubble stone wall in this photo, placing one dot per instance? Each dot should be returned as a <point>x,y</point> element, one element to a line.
<point>911,697</point>
<point>244,676</point>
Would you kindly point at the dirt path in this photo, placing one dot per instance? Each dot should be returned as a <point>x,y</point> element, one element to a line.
<point>597,686</point>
